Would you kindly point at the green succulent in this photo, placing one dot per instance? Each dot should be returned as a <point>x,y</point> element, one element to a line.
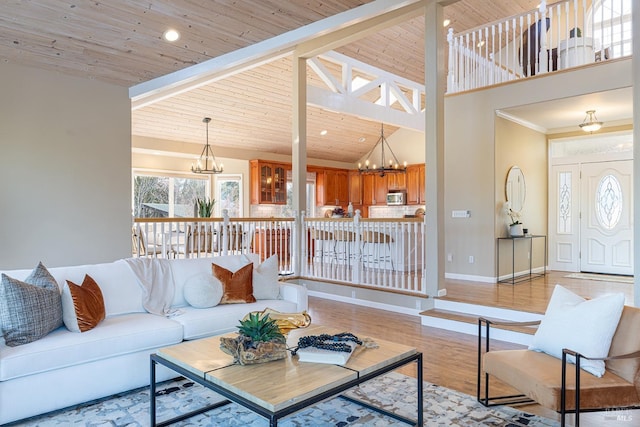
<point>205,207</point>
<point>260,329</point>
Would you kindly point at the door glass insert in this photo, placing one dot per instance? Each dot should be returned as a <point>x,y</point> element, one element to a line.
<point>564,203</point>
<point>609,202</point>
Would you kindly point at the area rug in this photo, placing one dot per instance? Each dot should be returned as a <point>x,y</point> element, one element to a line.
<point>393,391</point>
<point>601,277</point>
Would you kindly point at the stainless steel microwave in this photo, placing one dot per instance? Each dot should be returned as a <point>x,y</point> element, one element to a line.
<point>396,198</point>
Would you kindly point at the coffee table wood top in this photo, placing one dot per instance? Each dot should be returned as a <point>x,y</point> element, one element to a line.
<point>279,384</point>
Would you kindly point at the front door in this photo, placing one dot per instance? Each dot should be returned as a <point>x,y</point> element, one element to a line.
<point>606,226</point>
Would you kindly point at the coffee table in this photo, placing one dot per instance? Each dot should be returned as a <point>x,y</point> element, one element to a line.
<point>279,388</point>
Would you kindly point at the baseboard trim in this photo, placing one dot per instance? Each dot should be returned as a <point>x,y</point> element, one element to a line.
<point>469,277</point>
<point>365,303</point>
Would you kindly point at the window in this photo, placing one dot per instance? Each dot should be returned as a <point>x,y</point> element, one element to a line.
<point>160,196</point>
<point>228,195</point>
<point>612,26</point>
<point>310,203</point>
<point>609,202</point>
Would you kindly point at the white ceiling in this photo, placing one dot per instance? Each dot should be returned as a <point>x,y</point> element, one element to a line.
<point>614,107</point>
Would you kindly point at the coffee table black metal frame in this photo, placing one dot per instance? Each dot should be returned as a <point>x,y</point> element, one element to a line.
<point>273,417</point>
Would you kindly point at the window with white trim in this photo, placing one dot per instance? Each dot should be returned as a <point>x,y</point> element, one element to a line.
<point>612,26</point>
<point>161,195</point>
<point>228,195</point>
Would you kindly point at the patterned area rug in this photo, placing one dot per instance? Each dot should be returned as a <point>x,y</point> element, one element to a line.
<point>393,391</point>
<point>601,277</point>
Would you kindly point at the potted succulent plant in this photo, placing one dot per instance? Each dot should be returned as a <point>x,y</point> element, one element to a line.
<point>259,340</point>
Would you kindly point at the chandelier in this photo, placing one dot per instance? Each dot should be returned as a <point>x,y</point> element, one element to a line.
<point>207,161</point>
<point>591,123</point>
<point>392,166</point>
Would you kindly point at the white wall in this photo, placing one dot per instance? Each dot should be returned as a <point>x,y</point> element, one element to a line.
<point>65,167</point>
<point>472,176</point>
<point>406,144</point>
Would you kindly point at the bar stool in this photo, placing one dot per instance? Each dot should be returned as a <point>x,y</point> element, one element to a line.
<point>378,252</point>
<point>345,238</point>
<point>324,237</point>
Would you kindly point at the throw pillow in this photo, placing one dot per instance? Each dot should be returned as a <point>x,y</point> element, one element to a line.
<point>203,291</point>
<point>237,287</point>
<point>585,326</point>
<point>265,279</point>
<point>82,305</point>
<point>29,309</point>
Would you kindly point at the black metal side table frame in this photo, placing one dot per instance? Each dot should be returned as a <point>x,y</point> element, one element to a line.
<point>273,417</point>
<point>513,280</point>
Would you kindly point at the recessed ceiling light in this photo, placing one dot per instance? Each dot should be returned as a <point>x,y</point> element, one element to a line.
<point>362,139</point>
<point>171,35</point>
<point>446,22</point>
<point>323,132</point>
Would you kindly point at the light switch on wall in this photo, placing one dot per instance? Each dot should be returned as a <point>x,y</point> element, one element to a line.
<point>461,214</point>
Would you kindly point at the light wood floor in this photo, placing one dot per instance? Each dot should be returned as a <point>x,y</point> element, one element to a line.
<point>532,296</point>
<point>450,358</point>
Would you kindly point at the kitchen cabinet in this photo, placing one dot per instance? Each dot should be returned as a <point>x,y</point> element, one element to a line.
<point>332,188</point>
<point>415,184</point>
<point>271,241</point>
<point>397,181</point>
<point>268,182</point>
<point>355,188</point>
<point>374,189</point>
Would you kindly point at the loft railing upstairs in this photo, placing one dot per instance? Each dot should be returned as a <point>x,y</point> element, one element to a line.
<point>554,37</point>
<point>382,254</point>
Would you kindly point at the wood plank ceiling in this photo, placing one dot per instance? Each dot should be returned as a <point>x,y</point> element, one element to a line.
<point>120,42</point>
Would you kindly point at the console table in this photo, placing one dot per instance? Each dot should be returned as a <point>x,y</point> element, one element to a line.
<point>527,238</point>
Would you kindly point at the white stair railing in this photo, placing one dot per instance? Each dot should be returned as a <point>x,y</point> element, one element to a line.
<point>562,35</point>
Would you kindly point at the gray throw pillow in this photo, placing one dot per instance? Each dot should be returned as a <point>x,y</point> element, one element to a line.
<point>29,309</point>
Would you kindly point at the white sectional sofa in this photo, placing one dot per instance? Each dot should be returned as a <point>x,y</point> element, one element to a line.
<point>66,368</point>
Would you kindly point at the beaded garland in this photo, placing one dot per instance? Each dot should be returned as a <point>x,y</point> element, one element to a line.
<point>337,342</point>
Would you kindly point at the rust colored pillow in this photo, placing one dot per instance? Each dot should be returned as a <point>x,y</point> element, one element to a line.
<point>237,286</point>
<point>82,306</point>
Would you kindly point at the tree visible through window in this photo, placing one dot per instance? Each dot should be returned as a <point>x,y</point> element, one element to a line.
<point>229,195</point>
<point>156,196</point>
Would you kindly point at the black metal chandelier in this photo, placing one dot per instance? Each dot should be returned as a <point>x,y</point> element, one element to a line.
<point>207,162</point>
<point>392,166</point>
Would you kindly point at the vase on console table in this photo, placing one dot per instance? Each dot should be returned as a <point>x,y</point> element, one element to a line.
<point>515,230</point>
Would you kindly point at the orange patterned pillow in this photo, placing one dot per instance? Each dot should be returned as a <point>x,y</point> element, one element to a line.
<point>82,306</point>
<point>237,286</point>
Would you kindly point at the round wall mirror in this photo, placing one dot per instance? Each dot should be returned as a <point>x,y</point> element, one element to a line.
<point>515,189</point>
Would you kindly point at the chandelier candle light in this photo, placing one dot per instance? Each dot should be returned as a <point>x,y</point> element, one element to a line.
<point>393,165</point>
<point>207,158</point>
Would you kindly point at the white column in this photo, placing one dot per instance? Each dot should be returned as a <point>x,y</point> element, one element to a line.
<point>435,79</point>
<point>299,153</point>
<point>635,22</point>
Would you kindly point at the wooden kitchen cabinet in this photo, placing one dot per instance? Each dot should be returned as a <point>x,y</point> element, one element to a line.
<point>268,182</point>
<point>374,190</point>
<point>332,188</point>
<point>355,188</point>
<point>271,241</point>
<point>396,181</point>
<point>415,184</point>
